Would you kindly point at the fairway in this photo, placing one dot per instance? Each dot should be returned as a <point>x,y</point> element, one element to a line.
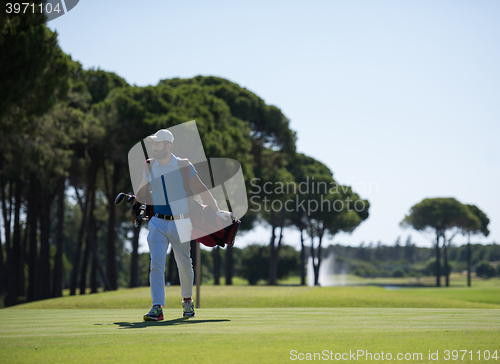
<point>245,324</point>
<point>283,296</point>
<point>240,335</point>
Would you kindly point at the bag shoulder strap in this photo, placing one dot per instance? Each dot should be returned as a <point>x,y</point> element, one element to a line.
<point>184,167</point>
<point>148,165</point>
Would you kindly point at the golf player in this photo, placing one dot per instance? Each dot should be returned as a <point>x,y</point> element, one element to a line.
<point>170,222</point>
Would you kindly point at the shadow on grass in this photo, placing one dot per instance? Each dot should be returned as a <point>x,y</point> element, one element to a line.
<point>178,321</point>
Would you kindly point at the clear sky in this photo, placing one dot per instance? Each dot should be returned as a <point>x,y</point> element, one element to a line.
<point>399,99</point>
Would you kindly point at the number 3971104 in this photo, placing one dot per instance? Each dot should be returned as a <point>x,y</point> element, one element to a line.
<point>23,8</point>
<point>464,354</point>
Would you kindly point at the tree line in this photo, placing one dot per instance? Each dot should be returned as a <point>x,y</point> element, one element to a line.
<point>401,259</point>
<point>408,260</point>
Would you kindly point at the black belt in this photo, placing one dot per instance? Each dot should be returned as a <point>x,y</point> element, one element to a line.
<point>170,217</point>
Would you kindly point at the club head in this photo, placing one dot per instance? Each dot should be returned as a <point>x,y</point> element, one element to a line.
<point>130,198</point>
<point>120,198</point>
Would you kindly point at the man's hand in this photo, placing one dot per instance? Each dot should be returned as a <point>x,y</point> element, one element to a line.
<point>136,207</point>
<point>224,215</point>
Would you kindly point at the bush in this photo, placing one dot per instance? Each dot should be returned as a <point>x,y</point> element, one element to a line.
<point>359,272</point>
<point>398,273</point>
<point>485,270</point>
<point>254,263</point>
<point>384,273</point>
<point>430,268</point>
<point>288,263</point>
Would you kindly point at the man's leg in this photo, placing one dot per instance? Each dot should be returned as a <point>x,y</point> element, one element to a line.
<point>182,257</point>
<point>186,273</point>
<point>158,245</point>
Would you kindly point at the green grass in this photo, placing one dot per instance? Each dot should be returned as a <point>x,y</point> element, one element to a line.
<point>483,295</point>
<point>253,324</point>
<point>249,335</point>
<point>281,296</point>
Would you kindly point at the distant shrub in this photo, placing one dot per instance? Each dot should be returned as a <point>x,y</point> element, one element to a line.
<point>254,260</point>
<point>485,270</point>
<point>430,268</point>
<point>398,273</point>
<point>289,262</point>
<point>359,272</point>
<point>384,273</point>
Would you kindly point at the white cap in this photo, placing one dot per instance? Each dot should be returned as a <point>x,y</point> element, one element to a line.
<point>162,135</point>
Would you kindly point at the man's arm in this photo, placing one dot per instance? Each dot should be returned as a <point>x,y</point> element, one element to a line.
<point>200,188</point>
<point>143,195</point>
<point>142,192</point>
<point>207,197</point>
